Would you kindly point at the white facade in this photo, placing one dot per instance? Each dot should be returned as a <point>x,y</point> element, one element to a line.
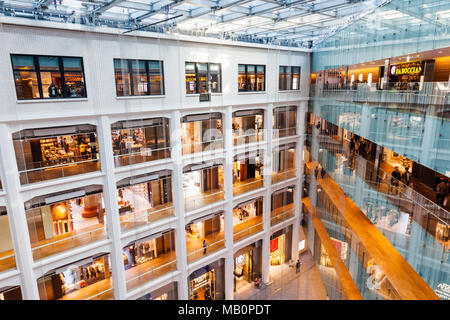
<point>102,107</point>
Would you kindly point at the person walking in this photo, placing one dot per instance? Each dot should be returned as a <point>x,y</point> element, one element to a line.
<point>204,246</point>
<point>316,171</point>
<point>322,172</point>
<point>441,192</point>
<point>297,266</point>
<point>396,176</point>
<point>407,176</point>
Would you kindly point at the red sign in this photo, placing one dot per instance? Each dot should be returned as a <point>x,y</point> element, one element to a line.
<point>273,245</point>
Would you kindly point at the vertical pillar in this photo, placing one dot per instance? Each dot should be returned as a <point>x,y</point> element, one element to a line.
<point>16,216</point>
<point>177,187</point>
<point>228,216</point>
<point>268,125</point>
<point>111,207</point>
<point>301,110</point>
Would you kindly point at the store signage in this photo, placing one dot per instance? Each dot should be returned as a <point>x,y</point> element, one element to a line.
<point>412,68</point>
<point>301,245</point>
<point>240,260</point>
<point>443,291</point>
<point>273,245</point>
<point>200,281</point>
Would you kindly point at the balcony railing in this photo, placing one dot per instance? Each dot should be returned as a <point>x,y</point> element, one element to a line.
<point>202,146</point>
<point>144,155</point>
<point>247,228</point>
<point>281,214</point>
<point>143,217</point>
<point>203,199</point>
<point>243,187</point>
<point>46,170</point>
<point>283,175</point>
<point>67,242</point>
<point>211,248</point>
<point>107,294</point>
<point>7,262</point>
<point>284,132</point>
<point>414,93</point>
<point>256,136</point>
<point>148,275</point>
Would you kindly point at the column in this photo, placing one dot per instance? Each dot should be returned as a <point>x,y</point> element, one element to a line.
<point>268,124</point>
<point>301,110</point>
<point>178,196</point>
<point>17,216</point>
<point>228,215</point>
<point>111,206</point>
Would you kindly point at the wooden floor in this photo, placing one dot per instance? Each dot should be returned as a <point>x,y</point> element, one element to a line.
<point>401,275</point>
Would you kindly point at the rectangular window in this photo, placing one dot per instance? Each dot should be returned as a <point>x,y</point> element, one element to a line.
<point>48,77</point>
<point>251,77</point>
<point>203,77</point>
<point>138,77</point>
<point>289,78</point>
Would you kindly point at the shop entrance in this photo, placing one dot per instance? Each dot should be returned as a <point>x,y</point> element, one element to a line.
<point>203,287</point>
<point>277,256</point>
<point>243,269</point>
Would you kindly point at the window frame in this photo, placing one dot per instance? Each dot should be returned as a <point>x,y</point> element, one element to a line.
<point>37,69</point>
<point>197,76</point>
<point>129,64</point>
<point>247,83</point>
<point>288,86</point>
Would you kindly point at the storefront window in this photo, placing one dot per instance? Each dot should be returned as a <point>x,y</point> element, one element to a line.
<point>247,219</point>
<point>201,132</point>
<point>280,247</point>
<point>247,266</point>
<point>76,281</point>
<point>289,78</point>
<point>204,236</point>
<point>284,121</point>
<point>283,163</point>
<point>138,77</point>
<point>251,77</point>
<point>51,153</point>
<point>247,173</point>
<point>149,258</point>
<point>137,141</point>
<point>66,219</point>
<point>202,185</point>
<point>7,258</point>
<point>147,202</point>
<point>48,77</point>
<point>248,126</point>
<point>203,77</point>
<point>282,205</point>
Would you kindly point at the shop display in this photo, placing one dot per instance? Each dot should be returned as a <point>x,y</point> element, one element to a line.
<point>203,286</point>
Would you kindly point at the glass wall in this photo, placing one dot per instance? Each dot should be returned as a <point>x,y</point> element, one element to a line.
<point>7,258</point>
<point>149,258</point>
<point>203,77</point>
<point>202,185</point>
<point>62,221</point>
<point>145,199</point>
<point>251,77</point>
<point>284,121</point>
<point>282,205</point>
<point>57,152</point>
<point>48,77</point>
<point>247,172</point>
<point>204,236</point>
<point>247,219</point>
<point>87,279</point>
<point>283,162</point>
<point>136,141</point>
<point>248,126</point>
<point>201,132</point>
<point>138,77</point>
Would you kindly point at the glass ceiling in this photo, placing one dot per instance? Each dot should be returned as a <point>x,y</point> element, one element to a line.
<point>296,23</point>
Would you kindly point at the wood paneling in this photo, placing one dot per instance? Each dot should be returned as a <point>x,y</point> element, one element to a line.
<point>441,69</point>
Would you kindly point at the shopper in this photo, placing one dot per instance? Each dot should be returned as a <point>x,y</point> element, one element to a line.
<point>297,266</point>
<point>204,246</point>
<point>396,176</point>
<point>316,171</point>
<point>322,172</point>
<point>441,190</point>
<point>407,176</point>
